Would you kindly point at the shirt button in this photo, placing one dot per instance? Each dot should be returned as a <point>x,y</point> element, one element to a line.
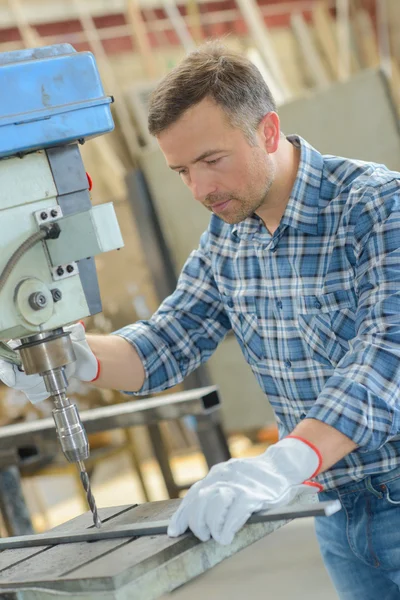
<point>317,304</point>
<point>279,304</point>
<point>288,364</point>
<point>230,303</point>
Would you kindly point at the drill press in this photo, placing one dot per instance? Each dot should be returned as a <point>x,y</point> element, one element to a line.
<point>49,229</point>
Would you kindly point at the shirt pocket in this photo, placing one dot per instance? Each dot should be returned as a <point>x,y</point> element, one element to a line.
<point>326,324</point>
<point>242,313</point>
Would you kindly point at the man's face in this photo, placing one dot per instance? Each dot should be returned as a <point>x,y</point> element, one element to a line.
<point>224,172</point>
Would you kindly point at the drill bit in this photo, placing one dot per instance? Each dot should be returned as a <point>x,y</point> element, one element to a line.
<point>89,495</point>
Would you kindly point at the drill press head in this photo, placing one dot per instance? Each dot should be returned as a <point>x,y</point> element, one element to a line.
<point>50,281</point>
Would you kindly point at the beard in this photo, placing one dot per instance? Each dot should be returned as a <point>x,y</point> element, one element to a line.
<point>244,205</point>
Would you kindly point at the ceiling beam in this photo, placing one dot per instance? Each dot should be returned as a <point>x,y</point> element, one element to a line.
<point>47,11</point>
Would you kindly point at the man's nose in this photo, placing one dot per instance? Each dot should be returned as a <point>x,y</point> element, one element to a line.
<point>201,187</point>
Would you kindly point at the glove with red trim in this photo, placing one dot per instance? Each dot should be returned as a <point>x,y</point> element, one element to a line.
<point>221,503</point>
<point>85,368</point>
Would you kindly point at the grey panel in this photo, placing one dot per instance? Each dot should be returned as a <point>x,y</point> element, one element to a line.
<point>356,119</point>
<point>182,219</point>
<point>75,202</point>
<point>67,167</point>
<point>78,239</point>
<point>73,196</point>
<point>88,275</point>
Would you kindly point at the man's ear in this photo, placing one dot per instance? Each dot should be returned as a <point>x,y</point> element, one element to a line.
<point>270,131</point>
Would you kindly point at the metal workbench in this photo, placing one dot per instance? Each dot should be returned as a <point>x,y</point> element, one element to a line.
<point>202,404</point>
<point>144,568</point>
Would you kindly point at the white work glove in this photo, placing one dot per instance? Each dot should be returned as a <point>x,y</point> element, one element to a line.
<point>85,368</point>
<point>221,503</point>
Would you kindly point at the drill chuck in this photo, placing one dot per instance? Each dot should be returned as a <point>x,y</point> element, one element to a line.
<point>71,433</point>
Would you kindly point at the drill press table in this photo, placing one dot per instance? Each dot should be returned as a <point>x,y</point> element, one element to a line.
<point>144,568</point>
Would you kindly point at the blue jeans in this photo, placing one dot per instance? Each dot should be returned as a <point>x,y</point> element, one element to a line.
<point>360,544</point>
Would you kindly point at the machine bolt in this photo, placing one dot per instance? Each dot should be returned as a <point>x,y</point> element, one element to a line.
<point>57,294</point>
<point>70,268</point>
<point>52,231</point>
<point>60,271</point>
<point>43,216</point>
<point>37,301</point>
<point>54,213</point>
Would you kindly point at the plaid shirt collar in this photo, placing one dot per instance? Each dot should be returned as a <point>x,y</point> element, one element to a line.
<point>302,209</point>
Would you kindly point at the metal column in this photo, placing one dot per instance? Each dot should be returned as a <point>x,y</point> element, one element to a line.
<point>212,438</point>
<point>12,503</point>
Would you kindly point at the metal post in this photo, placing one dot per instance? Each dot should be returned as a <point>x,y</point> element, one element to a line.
<point>212,438</point>
<point>161,454</point>
<point>12,503</point>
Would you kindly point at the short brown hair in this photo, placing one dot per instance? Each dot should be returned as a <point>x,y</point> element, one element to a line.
<point>212,71</point>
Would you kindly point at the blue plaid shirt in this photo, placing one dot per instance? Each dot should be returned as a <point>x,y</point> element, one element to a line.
<point>315,308</point>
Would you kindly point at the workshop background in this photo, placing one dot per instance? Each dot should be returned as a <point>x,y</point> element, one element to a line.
<point>333,67</point>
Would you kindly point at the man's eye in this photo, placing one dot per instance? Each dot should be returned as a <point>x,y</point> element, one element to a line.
<point>213,162</point>
<point>182,172</point>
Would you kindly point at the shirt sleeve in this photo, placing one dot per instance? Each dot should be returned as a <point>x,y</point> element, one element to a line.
<point>362,398</point>
<point>185,330</point>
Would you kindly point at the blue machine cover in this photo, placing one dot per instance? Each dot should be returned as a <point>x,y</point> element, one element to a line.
<point>50,96</point>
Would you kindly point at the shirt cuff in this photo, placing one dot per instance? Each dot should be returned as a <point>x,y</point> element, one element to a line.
<point>355,411</point>
<point>160,367</point>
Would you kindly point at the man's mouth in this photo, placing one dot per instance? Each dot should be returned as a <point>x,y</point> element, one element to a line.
<point>220,206</point>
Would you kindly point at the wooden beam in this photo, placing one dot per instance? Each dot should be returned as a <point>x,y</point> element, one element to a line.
<point>262,40</point>
<point>369,51</point>
<point>395,84</point>
<point>140,37</point>
<point>365,36</point>
<point>126,129</point>
<point>194,14</point>
<point>27,33</point>
<point>179,24</point>
<point>394,25</point>
<point>254,55</point>
<point>158,27</point>
<point>343,39</point>
<point>49,11</point>
<point>383,36</point>
<point>309,51</point>
<point>388,64</point>
<point>324,31</point>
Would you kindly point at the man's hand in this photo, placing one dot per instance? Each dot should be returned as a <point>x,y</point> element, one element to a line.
<point>85,368</point>
<point>220,504</point>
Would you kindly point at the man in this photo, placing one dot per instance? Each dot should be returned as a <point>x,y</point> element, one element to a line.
<point>301,259</point>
